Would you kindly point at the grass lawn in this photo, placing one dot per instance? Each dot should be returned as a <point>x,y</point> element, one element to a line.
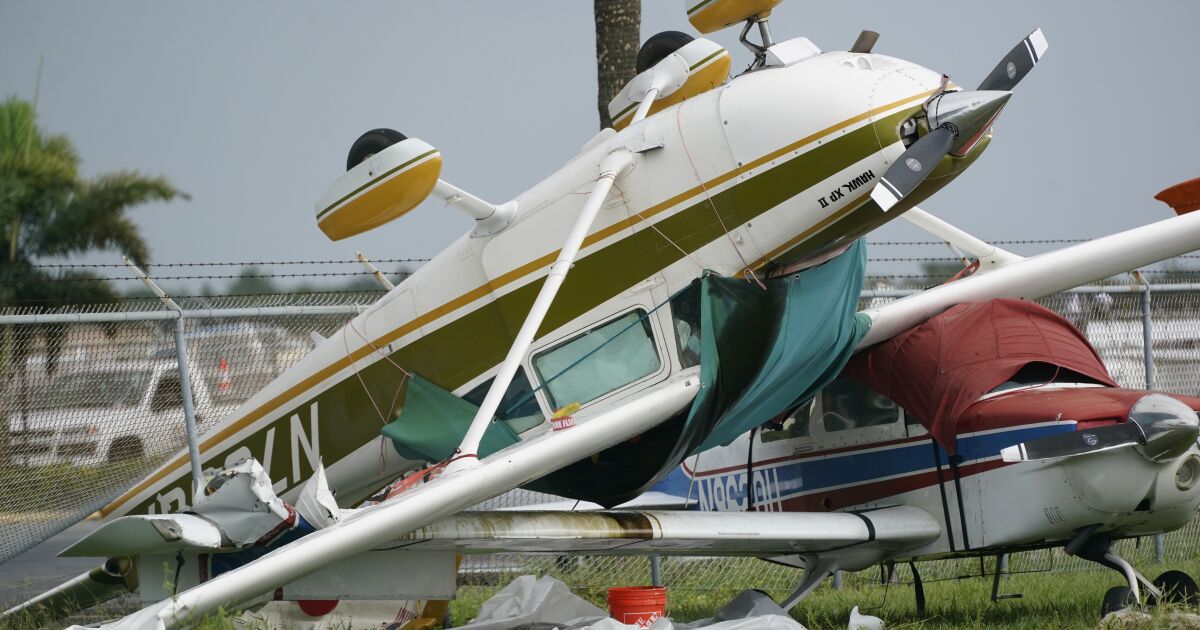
<point>1050,600</point>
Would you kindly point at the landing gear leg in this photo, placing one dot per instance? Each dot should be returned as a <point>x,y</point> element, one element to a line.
<point>1098,549</point>
<point>815,572</point>
<point>1000,568</point>
<point>918,588</point>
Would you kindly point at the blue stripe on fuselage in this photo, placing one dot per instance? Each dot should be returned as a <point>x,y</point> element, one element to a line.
<point>813,473</point>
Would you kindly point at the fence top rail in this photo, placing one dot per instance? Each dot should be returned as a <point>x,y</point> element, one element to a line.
<point>210,313</point>
<point>354,309</point>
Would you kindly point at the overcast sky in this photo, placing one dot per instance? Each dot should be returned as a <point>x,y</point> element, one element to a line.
<point>251,107</point>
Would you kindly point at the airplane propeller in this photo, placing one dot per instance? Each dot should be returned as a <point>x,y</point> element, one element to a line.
<point>957,120</point>
<point>1159,426</point>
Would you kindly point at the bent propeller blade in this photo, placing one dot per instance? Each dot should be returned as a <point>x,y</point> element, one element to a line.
<point>1017,63</point>
<point>912,167</point>
<point>1072,443</point>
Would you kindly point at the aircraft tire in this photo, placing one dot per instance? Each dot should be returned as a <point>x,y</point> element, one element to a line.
<point>658,47</point>
<point>1178,588</point>
<point>1116,599</point>
<point>370,143</point>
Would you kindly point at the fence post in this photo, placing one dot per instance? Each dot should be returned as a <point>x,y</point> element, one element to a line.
<point>1148,364</point>
<point>656,570</point>
<point>185,378</point>
<point>837,580</point>
<point>189,408</point>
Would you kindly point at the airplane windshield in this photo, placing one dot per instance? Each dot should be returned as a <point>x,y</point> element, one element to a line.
<point>1040,373</point>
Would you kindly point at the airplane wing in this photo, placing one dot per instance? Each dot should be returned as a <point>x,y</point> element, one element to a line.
<point>665,532</point>
<point>600,532</point>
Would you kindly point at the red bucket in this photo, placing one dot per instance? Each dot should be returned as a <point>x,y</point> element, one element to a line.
<point>637,605</point>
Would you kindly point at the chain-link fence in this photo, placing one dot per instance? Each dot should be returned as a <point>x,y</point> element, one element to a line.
<point>90,402</point>
<point>87,407</point>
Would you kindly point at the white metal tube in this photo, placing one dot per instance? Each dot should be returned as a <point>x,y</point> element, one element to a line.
<point>953,235</point>
<point>189,409</point>
<point>610,167</point>
<point>379,277</point>
<point>444,496</point>
<point>463,200</point>
<point>1045,274</point>
<point>644,106</point>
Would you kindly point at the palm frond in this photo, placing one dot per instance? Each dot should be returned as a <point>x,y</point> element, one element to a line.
<point>94,217</point>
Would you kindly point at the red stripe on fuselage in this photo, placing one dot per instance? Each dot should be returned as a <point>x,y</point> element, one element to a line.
<point>842,498</point>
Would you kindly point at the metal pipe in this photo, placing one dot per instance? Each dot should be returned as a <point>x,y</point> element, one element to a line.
<point>1045,274</point>
<point>189,409</point>
<point>644,106</point>
<point>955,236</point>
<point>378,275</point>
<point>463,200</point>
<point>656,570</point>
<point>211,313</point>
<point>1148,365</point>
<point>610,167</point>
<point>764,32</point>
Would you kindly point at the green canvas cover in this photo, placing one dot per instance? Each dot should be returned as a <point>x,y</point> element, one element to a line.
<point>432,423</point>
<point>763,352</point>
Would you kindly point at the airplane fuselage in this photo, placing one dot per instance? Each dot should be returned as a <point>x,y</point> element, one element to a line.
<point>772,168</point>
<point>875,456</point>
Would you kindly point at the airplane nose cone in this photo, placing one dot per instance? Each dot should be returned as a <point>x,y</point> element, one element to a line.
<point>968,114</point>
<point>1169,426</point>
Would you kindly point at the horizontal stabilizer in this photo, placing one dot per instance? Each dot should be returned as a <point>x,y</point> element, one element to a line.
<point>1183,198</point>
<point>155,533</point>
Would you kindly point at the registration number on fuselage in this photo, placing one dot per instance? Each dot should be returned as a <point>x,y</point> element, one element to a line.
<point>729,493</point>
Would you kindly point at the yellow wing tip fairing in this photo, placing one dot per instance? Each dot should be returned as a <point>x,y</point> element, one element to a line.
<point>383,187</point>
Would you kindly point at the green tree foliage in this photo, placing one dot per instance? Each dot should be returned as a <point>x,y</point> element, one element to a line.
<point>48,210</point>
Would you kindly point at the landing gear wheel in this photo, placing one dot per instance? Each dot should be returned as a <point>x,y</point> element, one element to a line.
<point>371,143</point>
<point>1115,599</point>
<point>1177,588</point>
<point>658,47</point>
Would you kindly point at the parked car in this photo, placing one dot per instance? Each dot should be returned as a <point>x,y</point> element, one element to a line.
<point>120,412</point>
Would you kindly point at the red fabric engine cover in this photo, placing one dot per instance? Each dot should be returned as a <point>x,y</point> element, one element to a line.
<point>938,369</point>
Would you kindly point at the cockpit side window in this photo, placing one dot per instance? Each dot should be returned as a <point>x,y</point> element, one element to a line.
<point>601,360</point>
<point>847,404</point>
<point>788,426</point>
<point>685,316</point>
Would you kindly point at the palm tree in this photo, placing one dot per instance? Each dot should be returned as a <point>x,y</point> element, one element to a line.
<point>618,34</point>
<point>48,210</point>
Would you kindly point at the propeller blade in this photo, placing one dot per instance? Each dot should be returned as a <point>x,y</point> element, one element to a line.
<point>1074,443</point>
<point>1017,63</point>
<point>913,166</point>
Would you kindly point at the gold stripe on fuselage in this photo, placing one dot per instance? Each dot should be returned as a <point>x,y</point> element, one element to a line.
<point>483,291</point>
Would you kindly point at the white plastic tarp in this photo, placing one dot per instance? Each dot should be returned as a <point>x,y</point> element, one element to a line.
<point>548,603</point>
